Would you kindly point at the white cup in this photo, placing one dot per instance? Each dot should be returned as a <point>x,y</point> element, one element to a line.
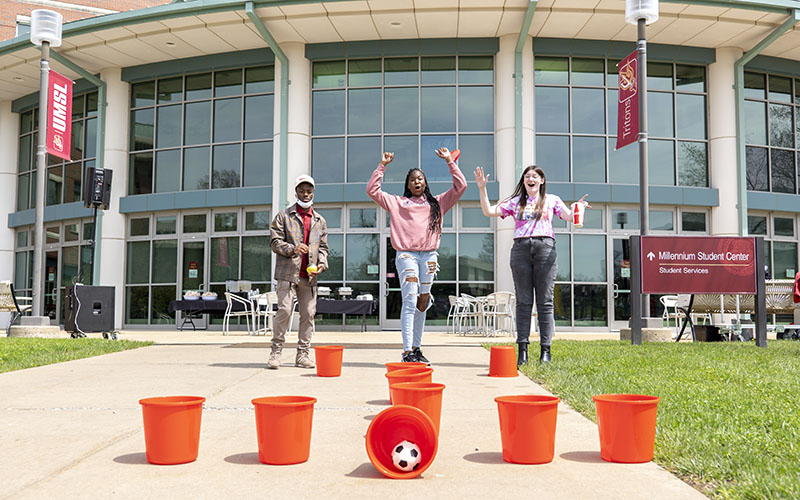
<point>578,212</point>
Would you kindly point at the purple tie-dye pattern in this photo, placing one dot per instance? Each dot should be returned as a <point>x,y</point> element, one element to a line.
<point>526,226</point>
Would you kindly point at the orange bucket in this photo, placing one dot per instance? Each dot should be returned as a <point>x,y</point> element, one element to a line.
<point>172,428</point>
<point>394,425</point>
<point>408,375</point>
<point>426,396</point>
<point>401,365</point>
<point>283,425</point>
<point>627,426</point>
<point>329,360</point>
<point>528,428</point>
<point>502,361</point>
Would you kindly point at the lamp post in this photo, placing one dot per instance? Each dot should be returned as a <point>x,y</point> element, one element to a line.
<point>642,13</point>
<point>45,32</point>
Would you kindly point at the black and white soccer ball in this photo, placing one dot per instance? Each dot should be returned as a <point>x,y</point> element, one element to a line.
<point>406,456</point>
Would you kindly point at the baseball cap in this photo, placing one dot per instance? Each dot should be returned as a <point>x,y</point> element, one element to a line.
<point>303,178</point>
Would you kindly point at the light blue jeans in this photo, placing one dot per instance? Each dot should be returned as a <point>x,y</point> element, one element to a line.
<point>416,271</point>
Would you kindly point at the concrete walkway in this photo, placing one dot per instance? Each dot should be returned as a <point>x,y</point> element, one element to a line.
<point>74,429</point>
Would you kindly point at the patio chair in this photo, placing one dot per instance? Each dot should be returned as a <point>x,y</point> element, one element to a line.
<point>246,311</point>
<point>452,313</point>
<point>10,302</point>
<point>500,312</point>
<point>670,303</point>
<point>264,306</point>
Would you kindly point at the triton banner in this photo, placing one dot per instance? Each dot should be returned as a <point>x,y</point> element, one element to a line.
<point>628,102</point>
<point>59,115</point>
<point>698,264</point>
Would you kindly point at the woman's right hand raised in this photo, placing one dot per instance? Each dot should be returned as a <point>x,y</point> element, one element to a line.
<point>480,179</point>
<point>387,158</point>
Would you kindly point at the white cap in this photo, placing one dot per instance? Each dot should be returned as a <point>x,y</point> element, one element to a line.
<point>303,178</point>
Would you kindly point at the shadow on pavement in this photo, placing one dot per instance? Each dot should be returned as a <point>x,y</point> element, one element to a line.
<point>239,365</point>
<point>586,457</point>
<point>132,459</point>
<point>243,459</point>
<point>485,457</point>
<point>379,402</point>
<point>366,471</point>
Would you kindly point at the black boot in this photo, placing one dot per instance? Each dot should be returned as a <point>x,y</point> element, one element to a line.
<point>522,353</point>
<point>544,357</point>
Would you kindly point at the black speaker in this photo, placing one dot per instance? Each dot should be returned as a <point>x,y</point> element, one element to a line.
<point>89,309</point>
<point>97,188</point>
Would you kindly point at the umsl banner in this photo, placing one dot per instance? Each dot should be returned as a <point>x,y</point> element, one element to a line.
<point>59,115</point>
<point>628,102</point>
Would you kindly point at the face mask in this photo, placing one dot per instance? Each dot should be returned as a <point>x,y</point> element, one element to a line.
<point>305,204</point>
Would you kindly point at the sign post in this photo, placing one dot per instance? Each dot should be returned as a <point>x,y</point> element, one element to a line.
<point>698,264</point>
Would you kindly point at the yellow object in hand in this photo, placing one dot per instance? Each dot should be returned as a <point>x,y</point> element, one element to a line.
<point>311,269</point>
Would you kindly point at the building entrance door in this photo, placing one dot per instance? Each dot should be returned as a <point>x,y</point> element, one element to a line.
<point>391,299</point>
<point>620,290</point>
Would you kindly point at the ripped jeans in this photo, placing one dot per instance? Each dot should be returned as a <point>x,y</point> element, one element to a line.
<point>416,271</point>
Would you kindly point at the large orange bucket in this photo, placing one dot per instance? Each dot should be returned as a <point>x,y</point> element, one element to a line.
<point>627,426</point>
<point>502,361</point>
<point>172,428</point>
<point>528,428</point>
<point>418,374</point>
<point>426,396</point>
<point>329,360</point>
<point>402,365</point>
<point>283,425</point>
<point>394,425</point>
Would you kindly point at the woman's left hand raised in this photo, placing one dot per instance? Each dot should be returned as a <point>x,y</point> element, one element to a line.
<point>444,154</point>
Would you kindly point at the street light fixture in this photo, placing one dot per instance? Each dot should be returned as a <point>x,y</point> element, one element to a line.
<point>45,32</point>
<point>641,13</point>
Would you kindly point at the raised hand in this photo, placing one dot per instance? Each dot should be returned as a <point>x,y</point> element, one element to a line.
<point>387,158</point>
<point>480,179</point>
<point>444,154</point>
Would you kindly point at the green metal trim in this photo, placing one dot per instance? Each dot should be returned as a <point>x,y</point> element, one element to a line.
<point>774,65</point>
<point>394,48</point>
<point>741,150</point>
<point>284,101</point>
<point>523,35</point>
<point>101,148</point>
<point>31,101</point>
<point>227,60</point>
<point>617,50</point>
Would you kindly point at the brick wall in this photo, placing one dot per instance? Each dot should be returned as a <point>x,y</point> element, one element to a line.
<point>9,9</point>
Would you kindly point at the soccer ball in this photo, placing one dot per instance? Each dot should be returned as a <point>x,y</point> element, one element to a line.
<point>406,456</point>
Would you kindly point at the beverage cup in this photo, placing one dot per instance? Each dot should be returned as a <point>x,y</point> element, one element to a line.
<point>578,212</point>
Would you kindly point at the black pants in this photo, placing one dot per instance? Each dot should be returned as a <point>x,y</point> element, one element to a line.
<point>534,267</point>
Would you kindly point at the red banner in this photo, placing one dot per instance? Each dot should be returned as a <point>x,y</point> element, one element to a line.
<point>698,264</point>
<point>59,115</point>
<point>628,101</point>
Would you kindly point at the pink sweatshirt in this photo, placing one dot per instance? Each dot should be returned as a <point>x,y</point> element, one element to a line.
<point>410,216</point>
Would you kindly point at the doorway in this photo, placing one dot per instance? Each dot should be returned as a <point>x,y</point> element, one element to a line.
<point>391,298</point>
<point>620,291</point>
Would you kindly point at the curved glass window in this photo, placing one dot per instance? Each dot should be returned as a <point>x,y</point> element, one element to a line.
<point>407,105</point>
<point>575,101</point>
<point>205,131</point>
<point>772,123</point>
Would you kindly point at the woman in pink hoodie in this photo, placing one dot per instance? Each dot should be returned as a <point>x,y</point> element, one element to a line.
<point>416,230</point>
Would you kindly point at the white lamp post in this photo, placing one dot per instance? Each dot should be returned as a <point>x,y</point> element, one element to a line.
<point>45,32</point>
<point>642,13</point>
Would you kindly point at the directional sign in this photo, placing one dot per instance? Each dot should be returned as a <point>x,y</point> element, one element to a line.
<point>698,264</point>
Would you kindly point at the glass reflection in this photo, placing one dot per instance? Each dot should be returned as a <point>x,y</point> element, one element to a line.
<point>362,251</point>
<point>364,111</point>
<point>661,163</point>
<point>475,69</point>
<point>328,116</point>
<point>434,167</point>
<point>401,71</point>
<point>168,171</point>
<point>781,129</point>
<point>588,159</point>
<point>550,70</point>
<point>691,116</point>
<point>588,111</point>
<point>169,126</point>
<point>757,169</point>
<point>589,261</point>
<point>447,257</point>
<point>196,168</point>
<point>476,109</point>
<point>197,128</point>
<point>226,167</point>
<point>480,151</point>
<point>406,157</point>
<point>401,107</point>
<point>437,70</point>
<point>363,153</point>
<point>552,154</point>
<point>692,164</point>
<point>228,120</point>
<point>564,272</point>
<point>438,109</point>
<point>623,164</point>
<point>258,113</point>
<point>477,263</point>
<point>257,164</point>
<point>327,159</point>
<point>659,115</point>
<point>755,122</point>
<point>365,72</point>
<point>328,74</point>
<point>552,108</point>
<point>783,171</point>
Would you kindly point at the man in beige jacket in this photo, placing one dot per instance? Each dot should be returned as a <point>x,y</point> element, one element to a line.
<point>299,238</point>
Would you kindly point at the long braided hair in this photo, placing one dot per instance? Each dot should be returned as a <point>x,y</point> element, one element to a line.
<point>523,193</point>
<point>435,220</point>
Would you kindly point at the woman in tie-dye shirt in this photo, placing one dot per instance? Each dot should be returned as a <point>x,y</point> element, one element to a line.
<point>533,256</point>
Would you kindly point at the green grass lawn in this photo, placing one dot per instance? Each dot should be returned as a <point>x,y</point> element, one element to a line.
<point>729,417</point>
<point>17,353</point>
